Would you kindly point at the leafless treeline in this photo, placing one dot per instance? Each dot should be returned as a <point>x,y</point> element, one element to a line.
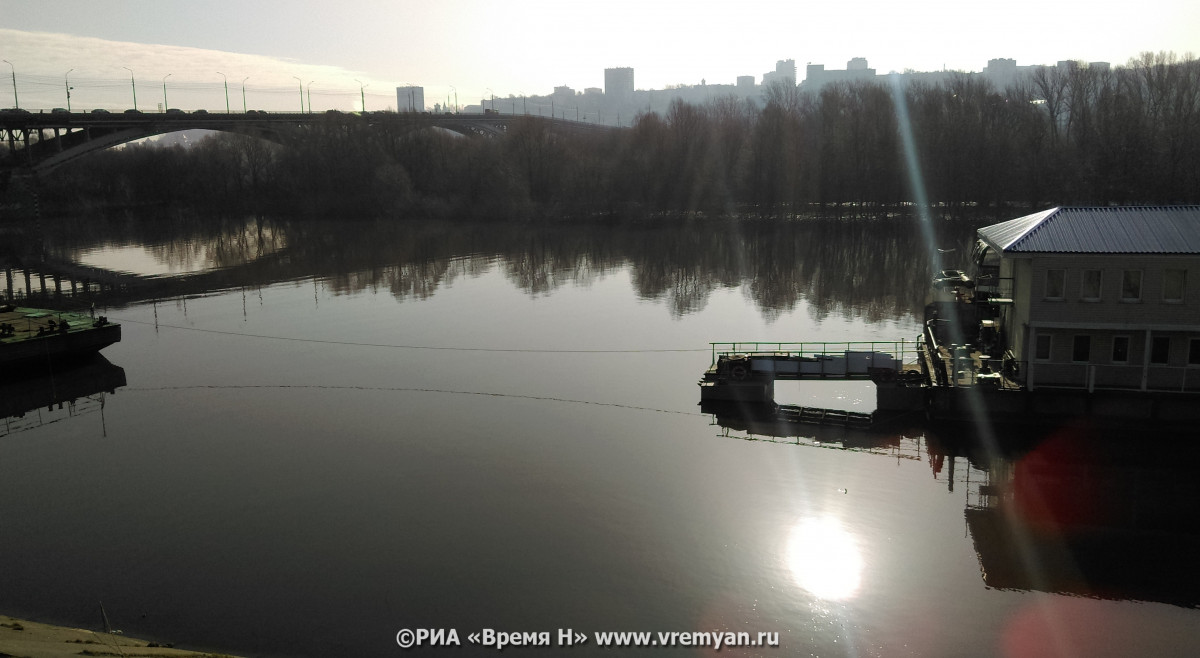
<point>1062,135</point>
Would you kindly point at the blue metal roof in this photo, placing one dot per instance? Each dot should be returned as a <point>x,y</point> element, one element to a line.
<point>1100,230</point>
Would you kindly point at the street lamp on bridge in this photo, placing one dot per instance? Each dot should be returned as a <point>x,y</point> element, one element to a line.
<point>244,110</point>
<point>361,94</point>
<point>301,93</point>
<point>133,84</point>
<point>226,91</point>
<point>16,105</point>
<point>308,88</point>
<point>67,84</point>
<point>165,106</point>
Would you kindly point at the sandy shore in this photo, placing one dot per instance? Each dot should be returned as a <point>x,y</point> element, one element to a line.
<point>28,639</point>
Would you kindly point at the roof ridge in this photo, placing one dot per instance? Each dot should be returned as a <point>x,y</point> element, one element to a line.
<point>1166,229</point>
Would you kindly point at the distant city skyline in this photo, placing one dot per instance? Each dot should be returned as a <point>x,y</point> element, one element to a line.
<point>368,48</point>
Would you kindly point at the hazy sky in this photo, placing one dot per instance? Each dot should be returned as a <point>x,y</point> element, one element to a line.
<point>530,46</point>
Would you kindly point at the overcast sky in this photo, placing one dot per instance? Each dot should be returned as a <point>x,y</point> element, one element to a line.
<point>531,46</point>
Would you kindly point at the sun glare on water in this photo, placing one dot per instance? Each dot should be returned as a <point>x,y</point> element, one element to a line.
<point>824,559</point>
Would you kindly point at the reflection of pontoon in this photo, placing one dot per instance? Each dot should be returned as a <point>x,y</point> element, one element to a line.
<point>779,425</point>
<point>30,337</point>
<point>37,400</point>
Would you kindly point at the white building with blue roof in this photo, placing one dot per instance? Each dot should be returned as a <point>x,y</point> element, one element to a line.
<point>1101,297</point>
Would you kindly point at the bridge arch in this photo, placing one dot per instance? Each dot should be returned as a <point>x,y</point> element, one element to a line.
<point>78,134</point>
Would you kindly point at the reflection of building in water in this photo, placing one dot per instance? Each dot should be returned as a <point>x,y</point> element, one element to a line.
<point>35,401</point>
<point>1109,519</point>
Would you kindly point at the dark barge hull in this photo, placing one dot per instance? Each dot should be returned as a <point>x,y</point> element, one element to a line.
<point>26,350</point>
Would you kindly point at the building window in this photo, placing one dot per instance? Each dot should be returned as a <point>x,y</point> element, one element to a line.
<point>1131,286</point>
<point>1174,282</point>
<point>1056,283</point>
<point>1041,351</point>
<point>1120,352</point>
<point>1160,349</point>
<point>1194,352</point>
<point>1089,288</point>
<point>1081,349</point>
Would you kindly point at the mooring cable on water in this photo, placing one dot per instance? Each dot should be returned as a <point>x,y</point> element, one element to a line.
<point>326,341</point>
<point>401,389</point>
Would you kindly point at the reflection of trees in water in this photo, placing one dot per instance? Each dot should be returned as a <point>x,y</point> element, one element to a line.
<point>420,280</point>
<point>541,265</point>
<point>875,270</point>
<point>182,241</point>
<point>235,245</point>
<point>871,269</point>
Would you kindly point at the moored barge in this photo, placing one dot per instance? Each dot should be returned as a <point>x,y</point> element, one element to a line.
<point>31,337</point>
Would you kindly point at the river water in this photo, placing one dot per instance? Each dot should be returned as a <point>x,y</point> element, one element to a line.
<point>330,433</point>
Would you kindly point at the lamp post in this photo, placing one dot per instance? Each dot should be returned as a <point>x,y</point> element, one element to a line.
<point>455,90</point>
<point>244,110</point>
<point>67,84</point>
<point>362,94</point>
<point>308,88</point>
<point>226,91</point>
<point>16,105</point>
<point>132,84</point>
<point>165,106</point>
<point>301,93</point>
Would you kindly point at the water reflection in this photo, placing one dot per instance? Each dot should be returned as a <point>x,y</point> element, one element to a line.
<point>1102,517</point>
<point>865,269</point>
<point>228,246</point>
<point>39,400</point>
<point>824,559</point>
<point>1073,510</point>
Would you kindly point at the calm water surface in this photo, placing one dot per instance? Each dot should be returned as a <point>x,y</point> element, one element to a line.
<point>347,431</point>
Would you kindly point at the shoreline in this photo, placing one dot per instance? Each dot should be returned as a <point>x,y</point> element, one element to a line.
<point>30,639</point>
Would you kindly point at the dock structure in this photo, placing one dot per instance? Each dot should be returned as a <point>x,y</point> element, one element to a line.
<point>1036,333</point>
<point>744,373</point>
<point>814,359</point>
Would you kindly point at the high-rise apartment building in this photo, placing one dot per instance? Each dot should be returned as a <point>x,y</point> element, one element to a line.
<point>618,85</point>
<point>410,99</point>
